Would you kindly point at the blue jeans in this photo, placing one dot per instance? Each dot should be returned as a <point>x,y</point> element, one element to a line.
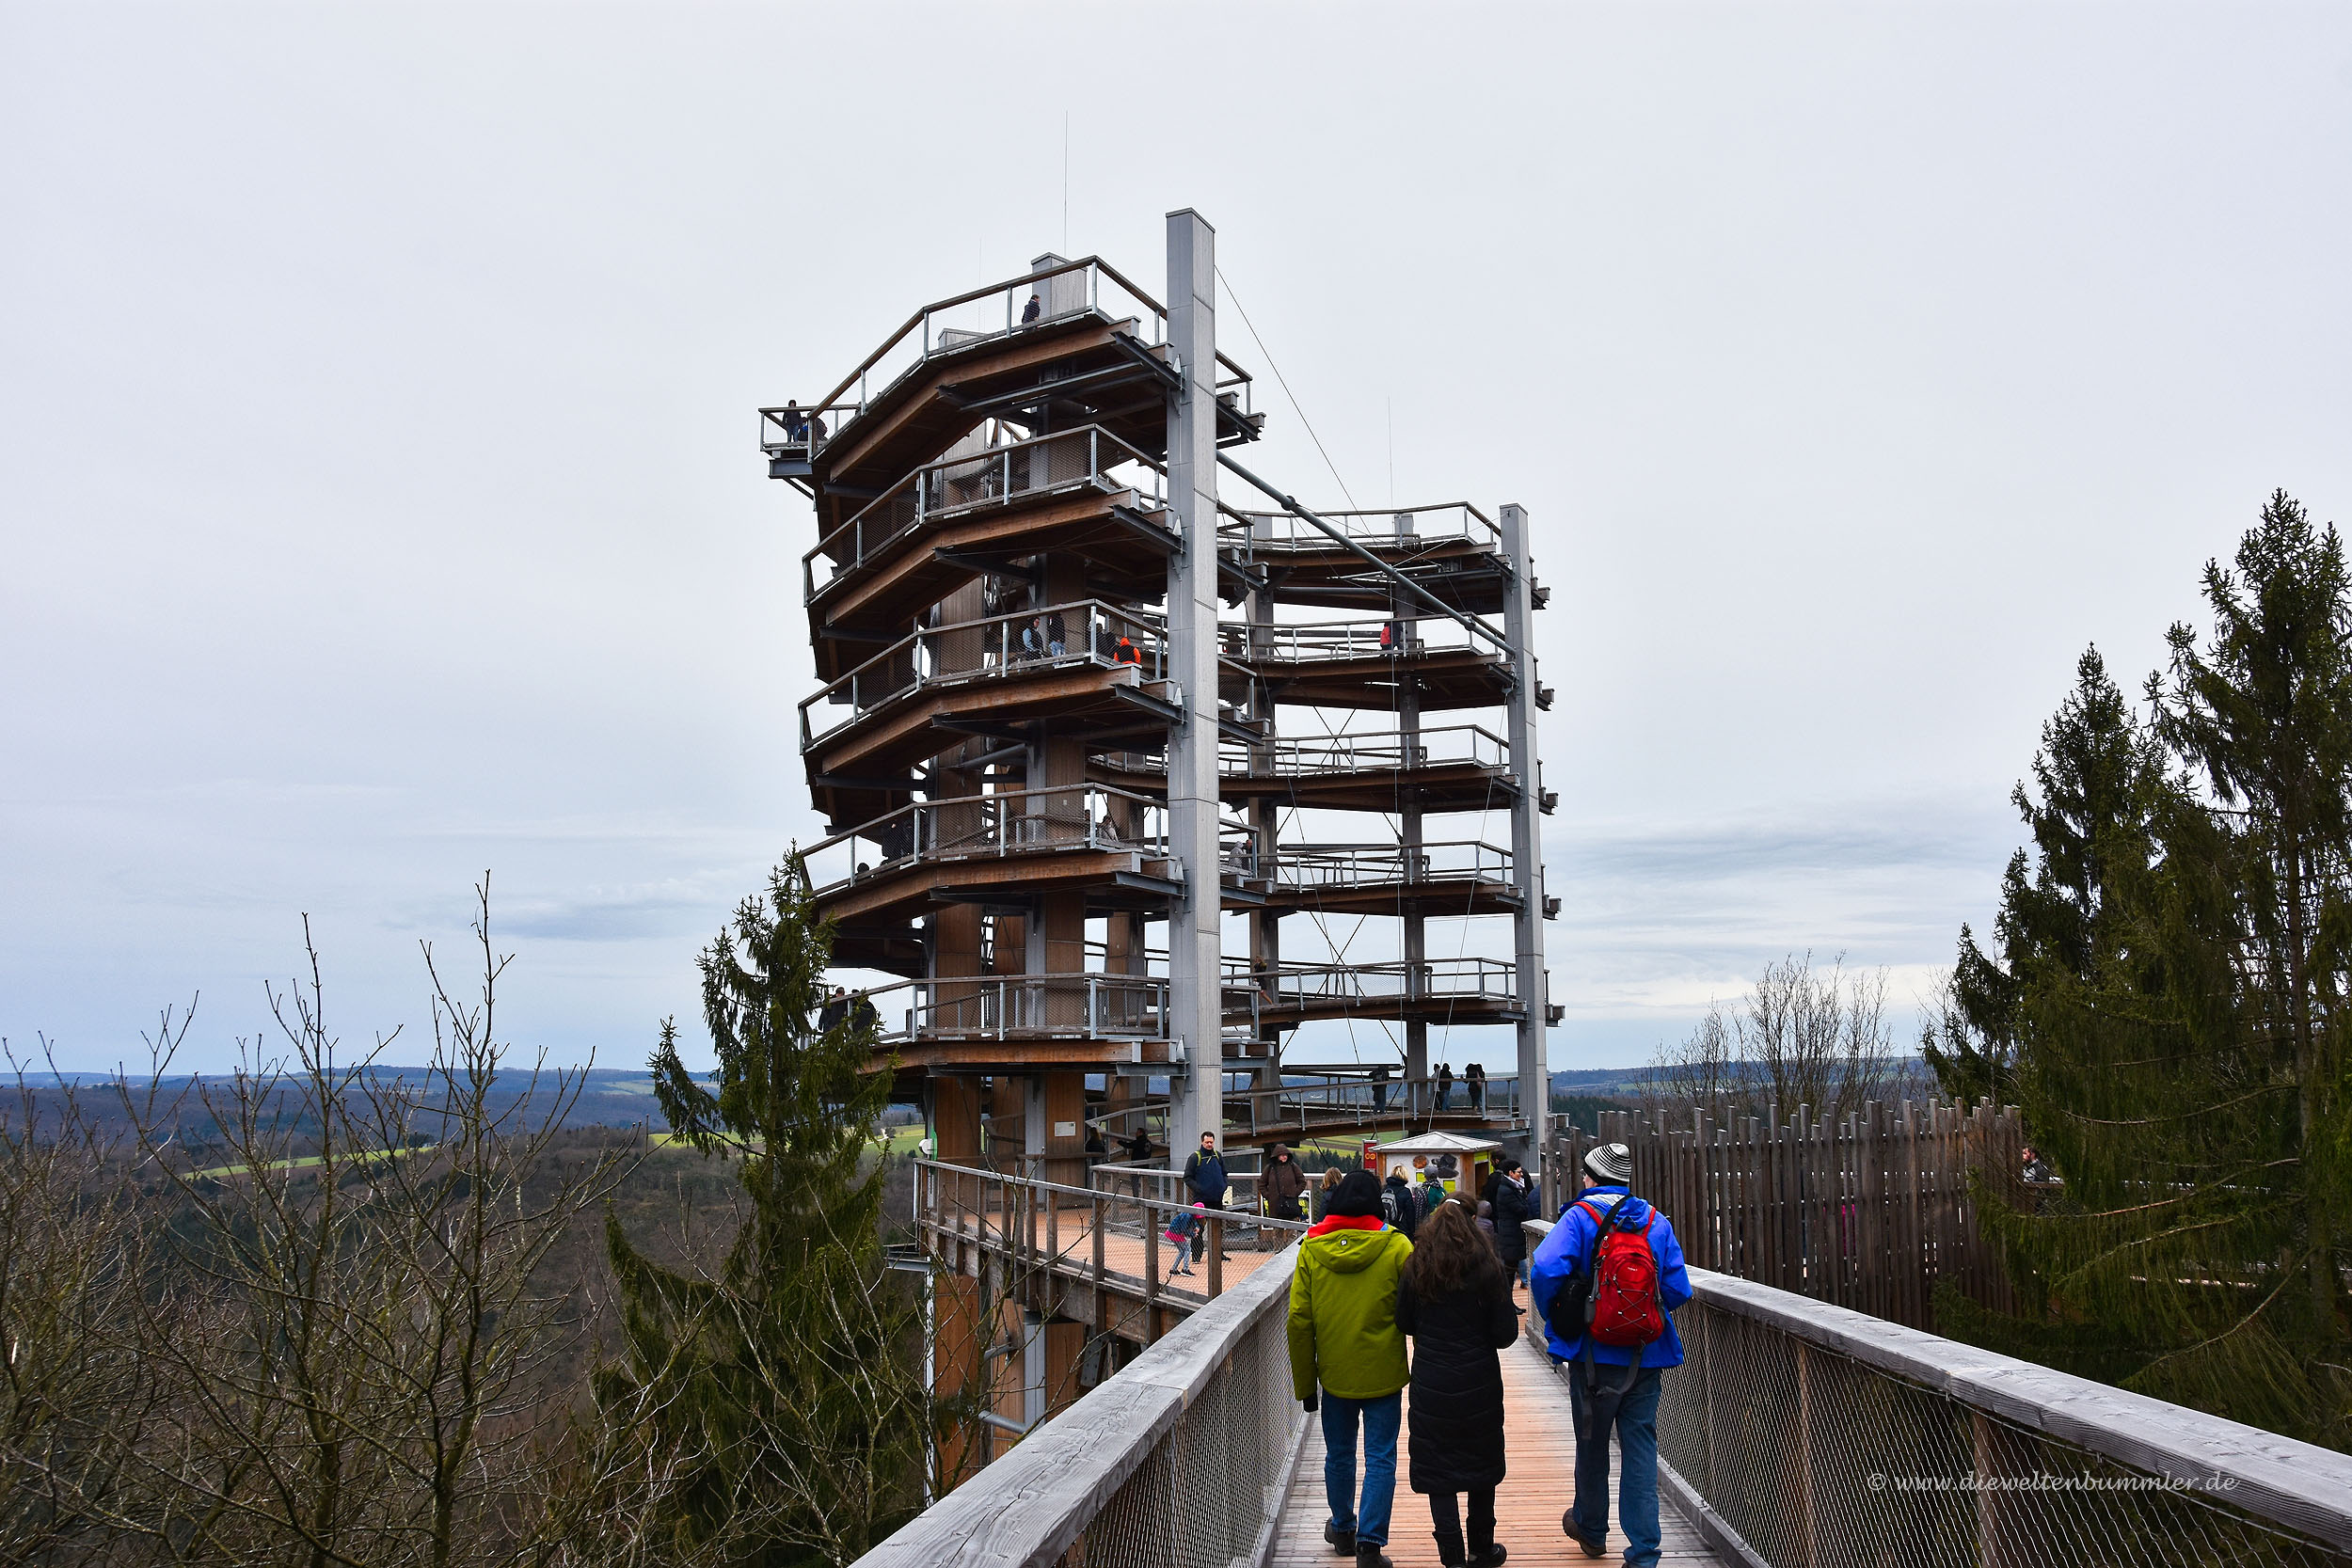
<point>1381,1417</point>
<point>1637,1442</point>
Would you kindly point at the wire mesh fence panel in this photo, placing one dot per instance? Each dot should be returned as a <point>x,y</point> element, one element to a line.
<point>1211,1486</point>
<point>1820,1460</point>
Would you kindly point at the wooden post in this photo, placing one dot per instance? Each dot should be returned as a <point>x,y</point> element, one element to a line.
<point>1914,1250</point>
<point>1870,1261</point>
<point>1718,1199</point>
<point>1026,1198</point>
<point>1216,1256</point>
<point>1848,1210</point>
<point>1095,1223</point>
<point>1757,1260</point>
<point>1696,1219</point>
<point>1992,1548</point>
<point>1946,1179</point>
<point>2009,1173</point>
<point>1821,1212</point>
<point>1150,1273</point>
<point>1096,1219</point>
<point>955,1366</point>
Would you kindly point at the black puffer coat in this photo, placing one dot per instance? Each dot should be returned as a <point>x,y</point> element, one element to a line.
<point>1511,1214</point>
<point>1456,1407</point>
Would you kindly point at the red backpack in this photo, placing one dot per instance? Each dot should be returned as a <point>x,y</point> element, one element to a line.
<point>1623,1308</point>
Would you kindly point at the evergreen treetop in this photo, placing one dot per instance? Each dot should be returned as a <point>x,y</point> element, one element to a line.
<point>773,1414</point>
<point>2169,982</point>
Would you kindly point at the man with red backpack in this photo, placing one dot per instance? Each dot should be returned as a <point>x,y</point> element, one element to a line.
<point>1607,1280</point>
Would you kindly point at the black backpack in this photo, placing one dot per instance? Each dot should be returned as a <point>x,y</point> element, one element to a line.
<point>1398,1208</point>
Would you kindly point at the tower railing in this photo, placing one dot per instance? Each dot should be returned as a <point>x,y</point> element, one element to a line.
<point>1381,751</point>
<point>988,314</point>
<point>1295,984</point>
<point>1444,520</point>
<point>974,483</point>
<point>1013,823</point>
<point>1382,637</point>
<point>1338,865</point>
<point>1094,633</point>
<point>1079,1005</point>
<point>1310,1102</point>
<point>989,827</point>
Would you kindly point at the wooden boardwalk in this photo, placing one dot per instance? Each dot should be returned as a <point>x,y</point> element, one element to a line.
<point>1541,1484</point>
<point>1067,1246</point>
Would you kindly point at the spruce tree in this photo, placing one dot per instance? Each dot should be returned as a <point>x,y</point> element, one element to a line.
<point>2098,779</point>
<point>777,1404</point>
<point>2176,1053</point>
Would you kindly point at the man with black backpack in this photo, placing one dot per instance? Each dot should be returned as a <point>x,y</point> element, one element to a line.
<point>1607,1280</point>
<point>1399,1207</point>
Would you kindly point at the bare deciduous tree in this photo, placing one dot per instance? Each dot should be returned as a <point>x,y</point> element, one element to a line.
<point>366,1256</point>
<point>77,1284</point>
<point>1801,1038</point>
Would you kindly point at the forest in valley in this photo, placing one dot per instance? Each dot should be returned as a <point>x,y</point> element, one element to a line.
<point>323,1309</point>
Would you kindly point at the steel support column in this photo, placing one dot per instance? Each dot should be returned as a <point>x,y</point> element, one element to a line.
<point>1195,1090</point>
<point>1405,619</point>
<point>1527,842</point>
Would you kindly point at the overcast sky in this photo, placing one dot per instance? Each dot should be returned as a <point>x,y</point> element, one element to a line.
<point>381,501</point>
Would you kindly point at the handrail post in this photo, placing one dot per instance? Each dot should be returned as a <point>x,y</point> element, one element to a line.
<point>1216,1256</point>
<point>1151,1273</point>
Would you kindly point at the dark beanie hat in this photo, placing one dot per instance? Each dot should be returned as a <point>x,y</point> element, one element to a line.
<point>1359,1195</point>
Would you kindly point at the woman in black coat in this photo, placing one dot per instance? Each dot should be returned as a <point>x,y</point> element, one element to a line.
<point>1454,1302</point>
<point>1513,1208</point>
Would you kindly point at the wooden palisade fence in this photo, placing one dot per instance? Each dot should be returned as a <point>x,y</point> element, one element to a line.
<point>1871,1212</point>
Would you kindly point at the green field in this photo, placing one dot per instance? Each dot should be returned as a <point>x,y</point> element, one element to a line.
<point>307,1161</point>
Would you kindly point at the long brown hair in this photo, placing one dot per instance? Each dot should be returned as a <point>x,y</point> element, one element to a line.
<point>1450,1253</point>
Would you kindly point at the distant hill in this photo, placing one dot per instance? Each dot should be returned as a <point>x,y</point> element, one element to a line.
<point>600,1097</point>
<point>1597,1079</point>
<point>1908,1070</point>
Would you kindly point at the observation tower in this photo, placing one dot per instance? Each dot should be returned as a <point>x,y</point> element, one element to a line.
<point>1116,742</point>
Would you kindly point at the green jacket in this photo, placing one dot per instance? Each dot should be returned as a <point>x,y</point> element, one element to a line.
<point>1343,1318</point>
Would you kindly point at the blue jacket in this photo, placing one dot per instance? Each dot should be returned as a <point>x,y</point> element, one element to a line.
<point>1207,1179</point>
<point>1563,1252</point>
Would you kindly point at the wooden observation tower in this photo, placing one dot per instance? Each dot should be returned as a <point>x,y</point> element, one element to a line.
<point>1077,708</point>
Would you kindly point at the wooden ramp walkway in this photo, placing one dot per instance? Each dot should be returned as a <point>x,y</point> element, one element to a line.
<point>1541,1484</point>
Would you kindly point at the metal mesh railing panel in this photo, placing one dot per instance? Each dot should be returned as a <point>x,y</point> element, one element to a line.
<point>1820,1460</point>
<point>1138,1526</point>
<point>1211,1486</point>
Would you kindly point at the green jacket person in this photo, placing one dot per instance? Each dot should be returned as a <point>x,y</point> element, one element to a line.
<point>1347,1357</point>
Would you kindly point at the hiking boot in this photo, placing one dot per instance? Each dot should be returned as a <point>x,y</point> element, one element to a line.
<point>1590,1548</point>
<point>1368,1556</point>
<point>1491,1557</point>
<point>1343,1541</point>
